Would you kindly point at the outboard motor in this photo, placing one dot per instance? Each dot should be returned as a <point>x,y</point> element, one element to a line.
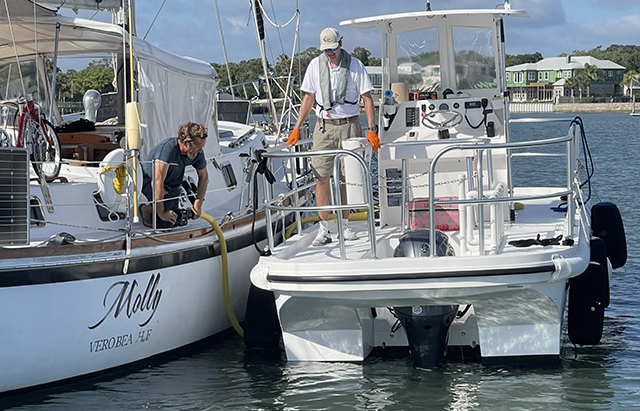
<point>427,327</point>
<point>415,243</point>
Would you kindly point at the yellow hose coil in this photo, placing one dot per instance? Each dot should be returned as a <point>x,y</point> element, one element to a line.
<point>225,273</point>
<point>121,174</point>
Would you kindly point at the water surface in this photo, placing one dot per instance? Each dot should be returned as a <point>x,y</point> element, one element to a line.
<point>221,375</point>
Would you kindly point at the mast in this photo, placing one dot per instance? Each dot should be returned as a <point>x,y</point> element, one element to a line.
<point>259,25</point>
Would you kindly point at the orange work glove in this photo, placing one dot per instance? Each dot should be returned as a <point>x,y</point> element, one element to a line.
<point>373,139</point>
<point>293,137</point>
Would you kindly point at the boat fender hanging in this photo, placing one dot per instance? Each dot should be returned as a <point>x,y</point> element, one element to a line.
<point>132,119</point>
<point>599,255</point>
<point>606,223</point>
<point>261,325</point>
<point>586,305</point>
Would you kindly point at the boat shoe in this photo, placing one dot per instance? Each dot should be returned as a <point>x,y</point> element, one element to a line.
<point>322,238</point>
<point>348,235</point>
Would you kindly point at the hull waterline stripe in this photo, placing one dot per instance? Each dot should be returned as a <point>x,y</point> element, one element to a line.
<point>547,268</point>
<point>100,268</point>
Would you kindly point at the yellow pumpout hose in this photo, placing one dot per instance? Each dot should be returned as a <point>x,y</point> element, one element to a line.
<point>361,216</point>
<point>225,273</point>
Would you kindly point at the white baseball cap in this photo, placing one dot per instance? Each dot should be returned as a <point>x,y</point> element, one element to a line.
<point>329,38</point>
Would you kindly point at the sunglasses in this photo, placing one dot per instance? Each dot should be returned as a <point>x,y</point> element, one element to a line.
<point>328,50</point>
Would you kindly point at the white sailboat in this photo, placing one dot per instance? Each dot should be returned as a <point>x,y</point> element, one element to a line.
<point>84,286</point>
<point>461,258</point>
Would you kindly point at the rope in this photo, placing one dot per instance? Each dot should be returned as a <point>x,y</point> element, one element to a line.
<point>15,47</point>
<point>295,39</point>
<point>154,19</point>
<point>224,48</point>
<point>114,230</point>
<point>274,24</point>
<point>118,180</point>
<point>278,30</point>
<point>35,34</point>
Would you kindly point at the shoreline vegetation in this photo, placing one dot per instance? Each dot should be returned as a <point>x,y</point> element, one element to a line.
<point>592,107</point>
<point>557,107</point>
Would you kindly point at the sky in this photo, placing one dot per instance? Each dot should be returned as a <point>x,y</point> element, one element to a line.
<point>190,27</point>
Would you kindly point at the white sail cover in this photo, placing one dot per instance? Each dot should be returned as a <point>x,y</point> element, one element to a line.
<point>82,4</point>
<point>172,90</point>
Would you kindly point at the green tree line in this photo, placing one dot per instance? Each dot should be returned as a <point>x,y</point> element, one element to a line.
<point>72,84</point>
<point>250,70</point>
<point>98,75</point>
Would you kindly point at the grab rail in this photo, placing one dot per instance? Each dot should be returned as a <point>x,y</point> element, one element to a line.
<point>481,145</point>
<point>369,204</point>
<point>571,157</point>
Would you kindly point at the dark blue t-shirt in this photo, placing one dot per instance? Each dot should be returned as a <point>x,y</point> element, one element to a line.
<point>169,152</point>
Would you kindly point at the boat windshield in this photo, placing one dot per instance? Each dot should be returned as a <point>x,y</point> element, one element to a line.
<point>419,59</point>
<point>474,58</point>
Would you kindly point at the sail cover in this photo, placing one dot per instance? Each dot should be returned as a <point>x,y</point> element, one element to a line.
<point>172,89</point>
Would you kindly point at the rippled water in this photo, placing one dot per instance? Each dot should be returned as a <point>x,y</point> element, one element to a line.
<point>220,375</point>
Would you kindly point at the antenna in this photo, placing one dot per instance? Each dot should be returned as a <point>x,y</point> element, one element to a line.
<point>428,5</point>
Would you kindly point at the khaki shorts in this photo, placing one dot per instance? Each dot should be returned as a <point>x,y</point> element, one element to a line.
<point>330,137</point>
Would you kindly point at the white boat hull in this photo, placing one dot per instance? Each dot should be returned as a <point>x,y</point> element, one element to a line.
<point>122,292</point>
<point>58,330</point>
<point>455,251</point>
<point>331,319</point>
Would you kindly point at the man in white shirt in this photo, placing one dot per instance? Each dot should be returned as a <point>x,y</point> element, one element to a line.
<point>334,81</point>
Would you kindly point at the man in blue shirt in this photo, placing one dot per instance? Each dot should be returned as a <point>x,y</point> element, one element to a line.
<point>168,160</point>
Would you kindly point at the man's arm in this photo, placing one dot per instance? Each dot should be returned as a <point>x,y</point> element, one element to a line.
<point>203,181</point>
<point>369,109</point>
<point>161,169</point>
<point>305,108</point>
<point>372,135</point>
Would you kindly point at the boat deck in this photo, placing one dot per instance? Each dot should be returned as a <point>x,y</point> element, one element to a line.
<point>537,217</point>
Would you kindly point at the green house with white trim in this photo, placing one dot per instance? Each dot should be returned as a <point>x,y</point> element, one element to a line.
<point>545,80</point>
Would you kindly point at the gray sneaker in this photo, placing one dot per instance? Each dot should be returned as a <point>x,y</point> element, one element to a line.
<point>322,238</point>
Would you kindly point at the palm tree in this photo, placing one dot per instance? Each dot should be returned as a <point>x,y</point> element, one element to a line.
<point>583,81</point>
<point>630,78</point>
<point>593,73</point>
<point>571,83</point>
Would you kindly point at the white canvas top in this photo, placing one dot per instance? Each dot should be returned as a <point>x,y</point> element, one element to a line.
<point>172,89</point>
<point>402,18</point>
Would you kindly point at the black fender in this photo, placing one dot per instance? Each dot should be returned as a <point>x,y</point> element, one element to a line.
<point>599,255</point>
<point>586,305</point>
<point>606,223</point>
<point>261,324</point>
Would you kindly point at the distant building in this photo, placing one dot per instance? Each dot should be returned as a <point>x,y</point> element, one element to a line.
<point>375,74</point>
<point>545,80</point>
<point>409,68</point>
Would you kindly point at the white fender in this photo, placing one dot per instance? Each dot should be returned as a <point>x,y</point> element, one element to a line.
<point>114,202</point>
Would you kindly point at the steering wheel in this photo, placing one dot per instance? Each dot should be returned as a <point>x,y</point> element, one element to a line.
<point>451,119</point>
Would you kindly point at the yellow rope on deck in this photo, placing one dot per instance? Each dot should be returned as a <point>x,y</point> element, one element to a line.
<point>121,174</point>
